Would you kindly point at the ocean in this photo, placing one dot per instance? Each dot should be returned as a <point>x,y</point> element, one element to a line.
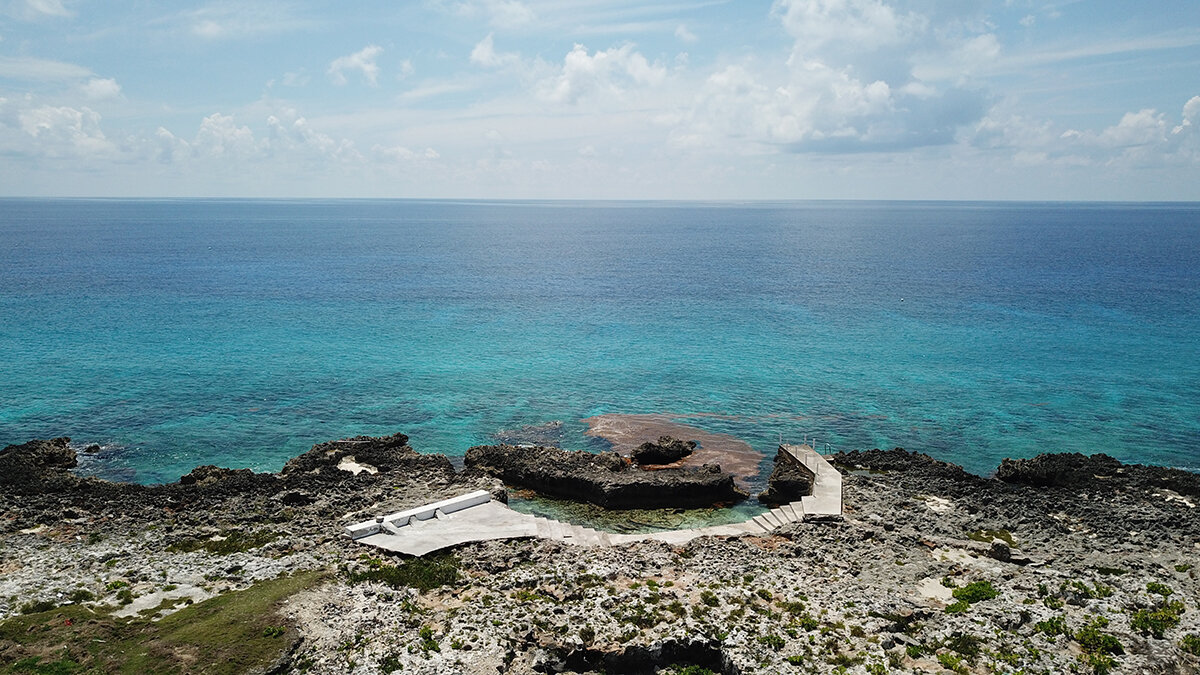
<point>176,333</point>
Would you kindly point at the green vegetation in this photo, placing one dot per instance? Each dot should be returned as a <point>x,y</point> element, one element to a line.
<point>1052,626</point>
<point>229,541</point>
<point>709,598</point>
<point>1190,644</point>
<point>988,536</point>
<point>428,643</point>
<point>952,662</point>
<point>1159,589</point>
<point>1093,641</point>
<point>81,595</point>
<point>227,634</point>
<point>773,641</point>
<point>690,670</point>
<point>423,574</point>
<point>1156,621</point>
<point>37,606</point>
<point>976,591</point>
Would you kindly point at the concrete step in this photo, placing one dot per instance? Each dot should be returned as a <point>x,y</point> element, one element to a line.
<point>791,514</point>
<point>762,521</point>
<point>770,518</point>
<point>781,515</point>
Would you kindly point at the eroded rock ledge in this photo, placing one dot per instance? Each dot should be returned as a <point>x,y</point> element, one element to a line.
<point>605,479</point>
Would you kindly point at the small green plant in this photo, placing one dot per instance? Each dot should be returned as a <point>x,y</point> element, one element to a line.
<point>949,582</point>
<point>952,662</point>
<point>914,651</point>
<point>988,536</point>
<point>773,641</point>
<point>795,660</point>
<point>1053,626</point>
<point>1156,621</point>
<point>390,663</point>
<point>1111,571</point>
<point>125,596</point>
<point>114,585</point>
<point>690,670</point>
<point>764,594</point>
<point>273,631</point>
<point>428,643</point>
<point>976,591</point>
<point>1101,664</point>
<point>1159,589</point>
<point>1093,641</point>
<point>959,607</point>
<point>81,595</point>
<point>1183,567</point>
<point>709,598</point>
<point>1190,644</point>
<point>37,606</point>
<point>587,634</point>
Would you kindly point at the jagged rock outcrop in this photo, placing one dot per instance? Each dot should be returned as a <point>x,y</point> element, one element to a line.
<point>667,450</point>
<point>29,467</point>
<point>604,479</point>
<point>382,453</point>
<point>789,481</point>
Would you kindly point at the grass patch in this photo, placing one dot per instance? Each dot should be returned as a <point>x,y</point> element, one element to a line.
<point>230,541</point>
<point>226,634</point>
<point>988,536</point>
<point>423,574</point>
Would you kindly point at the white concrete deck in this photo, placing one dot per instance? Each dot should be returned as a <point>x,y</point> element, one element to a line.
<point>471,518</point>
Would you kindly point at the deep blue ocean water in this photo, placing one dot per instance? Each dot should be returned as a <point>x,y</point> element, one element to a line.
<point>239,333</point>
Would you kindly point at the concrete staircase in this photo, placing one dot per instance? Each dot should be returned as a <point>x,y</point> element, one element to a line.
<point>474,517</point>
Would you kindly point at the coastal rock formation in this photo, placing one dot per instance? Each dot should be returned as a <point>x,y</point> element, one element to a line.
<point>667,450</point>
<point>931,567</point>
<point>28,467</point>
<point>604,479</point>
<point>384,454</point>
<point>789,481</point>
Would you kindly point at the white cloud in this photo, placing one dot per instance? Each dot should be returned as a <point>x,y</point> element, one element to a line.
<point>99,89</point>
<point>226,19</point>
<point>293,136</point>
<point>858,25</point>
<point>40,70</point>
<point>220,137</point>
<point>363,61</point>
<point>682,33</point>
<point>63,131</point>
<point>484,54</point>
<point>499,13</point>
<point>36,9</point>
<point>605,72</point>
<point>168,147</point>
<point>399,153</point>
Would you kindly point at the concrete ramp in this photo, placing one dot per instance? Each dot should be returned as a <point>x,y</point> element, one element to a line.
<point>476,517</point>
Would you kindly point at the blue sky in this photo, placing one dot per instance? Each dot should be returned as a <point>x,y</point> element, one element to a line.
<point>662,99</point>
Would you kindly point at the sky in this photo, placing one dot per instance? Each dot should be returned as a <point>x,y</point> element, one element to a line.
<point>602,99</point>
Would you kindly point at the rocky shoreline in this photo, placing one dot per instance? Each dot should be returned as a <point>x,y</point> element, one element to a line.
<point>608,479</point>
<point>1061,563</point>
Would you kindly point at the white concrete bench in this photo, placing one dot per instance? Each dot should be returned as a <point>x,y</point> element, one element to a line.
<point>404,518</point>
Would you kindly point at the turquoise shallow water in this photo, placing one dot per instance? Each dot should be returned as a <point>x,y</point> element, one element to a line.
<point>241,332</point>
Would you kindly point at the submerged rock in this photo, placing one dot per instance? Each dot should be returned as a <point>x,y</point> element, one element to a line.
<point>667,450</point>
<point>605,479</point>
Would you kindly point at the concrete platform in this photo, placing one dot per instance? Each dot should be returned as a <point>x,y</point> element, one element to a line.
<point>476,517</point>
